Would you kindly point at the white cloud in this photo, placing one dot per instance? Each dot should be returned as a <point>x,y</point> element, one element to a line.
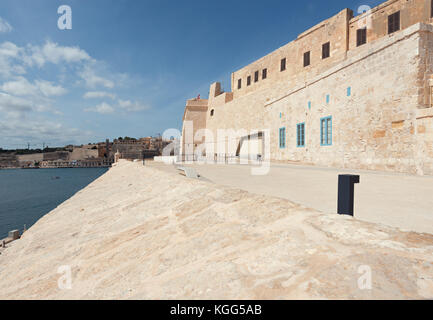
<point>9,49</point>
<point>126,105</point>
<point>133,106</point>
<point>25,98</point>
<point>8,53</point>
<point>103,108</point>
<point>14,60</point>
<point>50,90</point>
<point>55,53</point>
<point>22,87</point>
<point>92,80</point>
<point>71,60</point>
<point>52,52</point>
<point>12,105</point>
<point>5,26</point>
<point>98,94</point>
<point>15,132</point>
<point>18,107</point>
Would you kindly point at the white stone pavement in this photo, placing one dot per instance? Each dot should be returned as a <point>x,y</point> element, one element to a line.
<point>398,200</point>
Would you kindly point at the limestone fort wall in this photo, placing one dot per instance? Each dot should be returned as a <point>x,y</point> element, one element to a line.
<point>377,95</point>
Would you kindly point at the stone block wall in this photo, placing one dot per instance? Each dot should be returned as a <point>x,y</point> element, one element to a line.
<point>378,95</point>
<point>424,115</point>
<point>372,127</point>
<point>333,30</point>
<point>376,20</point>
<point>374,98</point>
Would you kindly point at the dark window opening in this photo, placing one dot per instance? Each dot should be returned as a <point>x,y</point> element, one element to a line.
<point>256,76</point>
<point>283,64</point>
<point>431,9</point>
<point>326,131</point>
<point>264,73</point>
<point>282,138</point>
<point>248,80</point>
<point>326,50</point>
<point>212,112</point>
<point>306,59</point>
<point>300,135</point>
<point>394,22</point>
<point>361,37</point>
<point>239,83</point>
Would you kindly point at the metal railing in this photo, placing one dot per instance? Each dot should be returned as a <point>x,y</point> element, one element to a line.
<point>217,158</point>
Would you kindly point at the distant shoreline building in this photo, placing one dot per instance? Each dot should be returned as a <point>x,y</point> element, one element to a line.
<point>351,92</point>
<point>88,163</point>
<point>85,156</point>
<point>147,147</point>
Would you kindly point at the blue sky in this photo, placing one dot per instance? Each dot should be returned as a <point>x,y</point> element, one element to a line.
<point>127,67</point>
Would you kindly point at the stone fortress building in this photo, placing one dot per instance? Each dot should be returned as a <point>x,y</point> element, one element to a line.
<point>351,92</point>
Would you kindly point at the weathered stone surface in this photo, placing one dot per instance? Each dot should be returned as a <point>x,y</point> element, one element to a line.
<point>138,232</point>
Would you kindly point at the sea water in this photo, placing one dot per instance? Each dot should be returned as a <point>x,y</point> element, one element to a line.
<point>28,194</point>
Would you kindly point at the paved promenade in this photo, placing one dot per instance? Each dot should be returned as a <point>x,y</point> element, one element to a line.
<point>397,200</point>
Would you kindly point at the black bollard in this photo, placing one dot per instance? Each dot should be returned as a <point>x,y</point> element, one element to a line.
<point>346,193</point>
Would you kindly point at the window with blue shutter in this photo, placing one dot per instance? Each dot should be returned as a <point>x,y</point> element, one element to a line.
<point>282,138</point>
<point>326,131</point>
<point>300,134</point>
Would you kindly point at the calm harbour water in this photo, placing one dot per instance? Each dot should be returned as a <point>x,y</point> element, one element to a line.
<point>27,195</point>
